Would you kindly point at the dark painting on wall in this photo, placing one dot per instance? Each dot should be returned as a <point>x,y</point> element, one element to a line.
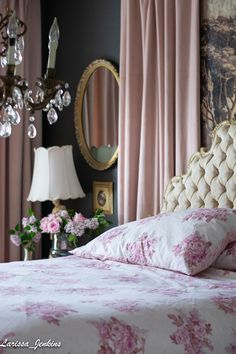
<point>218,64</point>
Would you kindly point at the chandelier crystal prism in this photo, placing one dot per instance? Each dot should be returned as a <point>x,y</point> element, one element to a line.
<point>51,94</point>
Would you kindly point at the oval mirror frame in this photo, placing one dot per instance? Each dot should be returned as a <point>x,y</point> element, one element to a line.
<point>95,164</point>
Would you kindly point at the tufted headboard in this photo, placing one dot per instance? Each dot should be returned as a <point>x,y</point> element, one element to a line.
<point>211,178</point>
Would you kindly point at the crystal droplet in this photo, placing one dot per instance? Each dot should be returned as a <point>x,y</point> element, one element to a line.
<point>3,61</point>
<point>31,118</point>
<point>60,107</point>
<point>17,57</point>
<point>32,132</point>
<point>11,115</point>
<point>58,100</point>
<point>66,99</point>
<point>20,44</point>
<point>45,109</point>
<point>39,95</point>
<point>5,129</point>
<point>20,104</point>
<point>52,116</point>
<point>28,99</point>
<point>16,94</point>
<point>16,119</point>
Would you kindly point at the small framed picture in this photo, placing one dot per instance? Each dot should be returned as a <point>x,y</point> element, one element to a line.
<point>103,196</point>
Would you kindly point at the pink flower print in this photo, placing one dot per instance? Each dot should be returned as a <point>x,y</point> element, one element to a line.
<point>194,249</point>
<point>142,250</point>
<point>226,304</point>
<point>115,232</point>
<point>13,290</point>
<point>155,217</point>
<point>117,337</point>
<point>231,250</point>
<point>225,285</point>
<point>135,278</point>
<point>5,337</point>
<point>16,240</point>
<point>167,291</point>
<point>50,311</point>
<point>192,332</point>
<point>124,306</point>
<point>6,276</point>
<point>208,214</point>
<point>98,265</point>
<point>92,291</point>
<point>231,348</point>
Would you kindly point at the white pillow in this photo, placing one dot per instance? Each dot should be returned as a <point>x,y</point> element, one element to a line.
<point>187,241</point>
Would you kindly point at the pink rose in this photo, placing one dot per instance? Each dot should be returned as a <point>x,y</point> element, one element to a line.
<point>16,240</point>
<point>54,226</point>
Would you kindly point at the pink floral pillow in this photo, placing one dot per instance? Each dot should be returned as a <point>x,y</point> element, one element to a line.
<point>227,259</point>
<point>187,241</point>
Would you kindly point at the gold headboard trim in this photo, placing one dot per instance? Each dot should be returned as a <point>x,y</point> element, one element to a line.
<point>210,180</point>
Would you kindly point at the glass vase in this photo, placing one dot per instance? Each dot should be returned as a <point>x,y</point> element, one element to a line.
<point>59,245</point>
<point>28,255</point>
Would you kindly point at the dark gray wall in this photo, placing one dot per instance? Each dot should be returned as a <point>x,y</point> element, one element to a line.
<point>89,30</point>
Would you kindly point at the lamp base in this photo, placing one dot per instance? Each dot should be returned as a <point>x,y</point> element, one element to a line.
<point>57,206</point>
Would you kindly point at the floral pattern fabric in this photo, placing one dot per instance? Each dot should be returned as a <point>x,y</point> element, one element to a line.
<point>227,259</point>
<point>187,241</point>
<point>106,307</point>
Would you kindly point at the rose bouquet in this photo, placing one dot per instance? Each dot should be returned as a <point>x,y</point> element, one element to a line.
<point>69,223</point>
<point>74,224</point>
<point>27,234</point>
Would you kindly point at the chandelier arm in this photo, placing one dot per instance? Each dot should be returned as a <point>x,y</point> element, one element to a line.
<point>41,105</point>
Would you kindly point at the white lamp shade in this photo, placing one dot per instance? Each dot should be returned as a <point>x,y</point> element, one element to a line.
<point>54,175</point>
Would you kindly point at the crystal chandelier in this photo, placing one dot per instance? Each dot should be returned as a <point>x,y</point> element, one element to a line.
<point>15,94</point>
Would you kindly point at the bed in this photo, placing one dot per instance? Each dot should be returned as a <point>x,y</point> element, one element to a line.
<point>123,297</point>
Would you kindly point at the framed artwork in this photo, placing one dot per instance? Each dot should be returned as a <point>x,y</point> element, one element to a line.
<point>103,196</point>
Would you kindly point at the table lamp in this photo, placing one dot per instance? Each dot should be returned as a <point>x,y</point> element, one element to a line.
<point>54,176</point>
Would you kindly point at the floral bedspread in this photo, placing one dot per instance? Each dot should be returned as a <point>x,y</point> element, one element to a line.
<point>72,305</point>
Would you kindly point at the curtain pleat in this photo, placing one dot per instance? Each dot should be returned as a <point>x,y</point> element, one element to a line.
<point>16,152</point>
<point>159,122</point>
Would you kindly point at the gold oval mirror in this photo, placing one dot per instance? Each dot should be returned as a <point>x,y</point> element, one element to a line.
<point>96,114</point>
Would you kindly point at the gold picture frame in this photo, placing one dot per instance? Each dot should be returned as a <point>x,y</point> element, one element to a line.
<point>103,196</point>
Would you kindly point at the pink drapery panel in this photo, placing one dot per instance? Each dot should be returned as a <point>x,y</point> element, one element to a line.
<point>159,122</point>
<point>100,109</point>
<point>16,152</point>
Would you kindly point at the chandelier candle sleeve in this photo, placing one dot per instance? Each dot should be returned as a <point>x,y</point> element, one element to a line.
<point>12,30</point>
<point>53,44</point>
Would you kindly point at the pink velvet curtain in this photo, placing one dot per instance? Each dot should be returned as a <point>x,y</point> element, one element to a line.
<point>16,152</point>
<point>159,122</point>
